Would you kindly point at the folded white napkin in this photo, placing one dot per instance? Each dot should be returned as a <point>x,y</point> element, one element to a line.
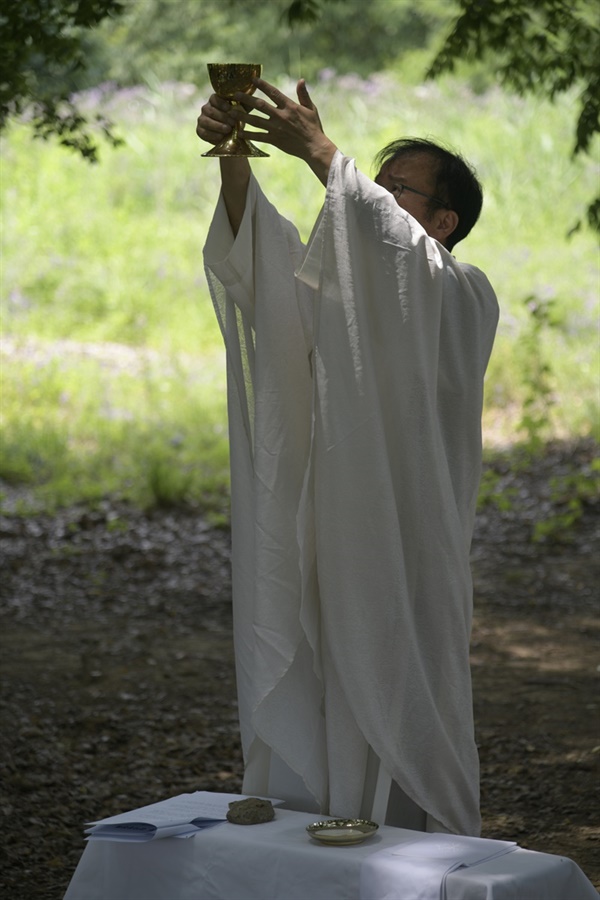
<point>418,869</point>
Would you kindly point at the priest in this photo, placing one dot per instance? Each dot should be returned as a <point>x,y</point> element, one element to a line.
<point>355,386</point>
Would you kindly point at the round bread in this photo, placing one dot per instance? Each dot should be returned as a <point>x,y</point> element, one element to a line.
<point>252,811</point>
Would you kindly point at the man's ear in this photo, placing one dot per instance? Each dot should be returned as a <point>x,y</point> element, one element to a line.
<point>446,221</point>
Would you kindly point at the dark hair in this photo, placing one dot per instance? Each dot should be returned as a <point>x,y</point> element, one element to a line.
<point>456,183</point>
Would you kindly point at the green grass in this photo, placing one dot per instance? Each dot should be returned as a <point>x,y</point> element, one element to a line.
<point>113,253</point>
<point>81,429</point>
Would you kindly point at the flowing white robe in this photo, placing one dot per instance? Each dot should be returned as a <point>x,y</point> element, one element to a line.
<point>354,393</point>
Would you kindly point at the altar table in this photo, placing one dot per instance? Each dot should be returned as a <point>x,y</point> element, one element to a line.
<point>279,861</point>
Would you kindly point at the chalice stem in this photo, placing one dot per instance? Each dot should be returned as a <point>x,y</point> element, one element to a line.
<point>237,129</point>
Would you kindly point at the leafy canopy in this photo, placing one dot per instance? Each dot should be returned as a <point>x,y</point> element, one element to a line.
<point>544,46</point>
<point>43,51</point>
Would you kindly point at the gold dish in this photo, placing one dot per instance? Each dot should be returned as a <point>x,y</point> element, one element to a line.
<point>342,831</point>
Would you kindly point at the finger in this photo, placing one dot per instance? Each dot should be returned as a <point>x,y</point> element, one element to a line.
<point>212,136</point>
<point>206,124</point>
<point>303,95</point>
<point>210,128</point>
<point>278,97</point>
<point>261,136</point>
<point>220,111</point>
<point>216,119</point>
<point>247,102</point>
<point>256,121</point>
<point>212,133</point>
<point>219,103</point>
<point>257,103</point>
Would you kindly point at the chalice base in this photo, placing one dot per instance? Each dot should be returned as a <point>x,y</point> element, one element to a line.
<point>235,147</point>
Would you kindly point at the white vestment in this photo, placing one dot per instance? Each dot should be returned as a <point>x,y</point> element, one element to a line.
<point>354,392</point>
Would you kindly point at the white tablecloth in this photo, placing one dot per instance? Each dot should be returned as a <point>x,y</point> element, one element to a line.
<point>278,861</point>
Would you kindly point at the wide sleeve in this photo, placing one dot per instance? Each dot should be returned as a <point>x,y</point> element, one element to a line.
<point>258,302</point>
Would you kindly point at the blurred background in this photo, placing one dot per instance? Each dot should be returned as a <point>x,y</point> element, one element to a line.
<point>113,378</point>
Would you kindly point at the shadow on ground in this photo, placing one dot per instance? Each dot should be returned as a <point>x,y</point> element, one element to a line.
<point>118,682</point>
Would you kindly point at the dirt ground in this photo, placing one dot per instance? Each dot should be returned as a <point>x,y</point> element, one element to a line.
<point>118,683</point>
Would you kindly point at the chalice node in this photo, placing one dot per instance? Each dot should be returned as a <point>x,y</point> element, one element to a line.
<point>228,79</point>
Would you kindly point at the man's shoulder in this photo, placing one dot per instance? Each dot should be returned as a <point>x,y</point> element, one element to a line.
<point>473,291</point>
<point>475,277</point>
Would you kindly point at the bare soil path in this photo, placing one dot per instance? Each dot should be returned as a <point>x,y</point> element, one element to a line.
<point>118,683</point>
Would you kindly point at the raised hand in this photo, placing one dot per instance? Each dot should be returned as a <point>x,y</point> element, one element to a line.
<point>292,127</point>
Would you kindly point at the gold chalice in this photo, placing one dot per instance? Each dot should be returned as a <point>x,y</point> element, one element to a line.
<point>227,80</point>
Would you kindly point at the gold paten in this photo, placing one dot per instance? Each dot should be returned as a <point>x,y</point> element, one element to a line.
<point>342,831</point>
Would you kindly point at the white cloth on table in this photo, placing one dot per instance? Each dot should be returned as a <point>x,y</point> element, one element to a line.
<point>419,869</point>
<point>278,861</point>
<point>355,395</point>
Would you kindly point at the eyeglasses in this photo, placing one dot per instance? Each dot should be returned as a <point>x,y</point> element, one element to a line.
<point>399,189</point>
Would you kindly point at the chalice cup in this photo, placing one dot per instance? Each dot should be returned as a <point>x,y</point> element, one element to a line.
<point>228,79</point>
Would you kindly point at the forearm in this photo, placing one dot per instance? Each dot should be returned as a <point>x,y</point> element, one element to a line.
<point>320,156</point>
<point>235,177</point>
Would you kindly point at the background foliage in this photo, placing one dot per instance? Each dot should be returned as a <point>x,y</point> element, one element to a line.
<point>546,47</point>
<point>113,374</point>
<point>166,38</point>
<point>47,53</point>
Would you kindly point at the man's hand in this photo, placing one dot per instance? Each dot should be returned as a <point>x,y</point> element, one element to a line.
<point>292,127</point>
<point>215,120</point>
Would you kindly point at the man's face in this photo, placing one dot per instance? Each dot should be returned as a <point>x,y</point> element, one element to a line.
<point>416,170</point>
